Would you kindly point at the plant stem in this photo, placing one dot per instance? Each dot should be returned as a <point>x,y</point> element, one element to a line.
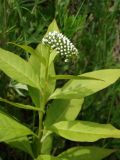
<point>40,125</point>
<point>40,129</point>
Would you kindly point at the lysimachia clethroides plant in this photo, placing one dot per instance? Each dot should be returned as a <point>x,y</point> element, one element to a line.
<point>57,108</point>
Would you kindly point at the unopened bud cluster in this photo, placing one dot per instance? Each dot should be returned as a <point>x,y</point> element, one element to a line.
<point>61,44</point>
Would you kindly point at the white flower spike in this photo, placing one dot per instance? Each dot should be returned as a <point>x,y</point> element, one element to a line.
<point>61,44</point>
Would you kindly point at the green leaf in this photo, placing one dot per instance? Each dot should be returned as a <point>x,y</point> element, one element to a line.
<point>51,83</point>
<point>22,143</point>
<point>51,71</point>
<point>53,54</point>
<point>53,27</point>
<point>60,110</point>
<point>44,52</point>
<point>25,47</point>
<point>19,105</point>
<point>86,153</point>
<point>54,77</point>
<point>31,51</point>
<point>47,144</point>
<point>35,59</point>
<point>47,157</point>
<point>79,88</point>
<point>18,69</point>
<point>35,63</point>
<point>11,129</point>
<point>46,70</point>
<point>74,77</point>
<point>34,92</point>
<point>35,95</point>
<point>84,131</point>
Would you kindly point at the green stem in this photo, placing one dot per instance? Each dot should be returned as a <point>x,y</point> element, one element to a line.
<point>40,125</point>
<point>40,129</point>
<point>42,104</point>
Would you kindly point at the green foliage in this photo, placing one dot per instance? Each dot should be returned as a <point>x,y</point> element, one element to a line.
<point>93,28</point>
<point>83,131</point>
<point>65,110</point>
<point>47,157</point>
<point>22,143</point>
<point>16,68</point>
<point>59,114</point>
<point>85,153</point>
<point>11,129</point>
<point>19,105</point>
<point>83,88</point>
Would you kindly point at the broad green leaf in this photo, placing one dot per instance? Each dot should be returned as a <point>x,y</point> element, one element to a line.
<point>60,110</point>
<point>34,92</point>
<point>51,82</point>
<point>44,52</point>
<point>18,69</point>
<point>22,143</point>
<point>35,63</point>
<point>86,153</point>
<point>35,95</point>
<point>47,144</point>
<point>53,54</point>
<point>79,88</point>
<point>53,27</point>
<point>47,157</point>
<point>84,131</point>
<point>51,71</point>
<point>35,59</point>
<point>19,105</point>
<point>32,52</point>
<point>74,77</point>
<point>46,70</point>
<point>11,129</point>
<point>25,47</point>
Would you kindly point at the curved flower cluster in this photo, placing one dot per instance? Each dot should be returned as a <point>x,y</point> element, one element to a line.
<point>61,44</point>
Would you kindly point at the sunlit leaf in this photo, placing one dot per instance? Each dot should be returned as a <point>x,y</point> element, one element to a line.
<point>47,157</point>
<point>53,27</point>
<point>83,131</point>
<point>18,69</point>
<point>11,129</point>
<point>86,153</point>
<point>60,110</point>
<point>19,105</point>
<point>79,88</point>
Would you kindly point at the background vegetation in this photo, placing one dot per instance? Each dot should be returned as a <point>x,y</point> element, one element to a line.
<point>93,26</point>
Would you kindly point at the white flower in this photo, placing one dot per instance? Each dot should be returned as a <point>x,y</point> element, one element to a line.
<point>61,44</point>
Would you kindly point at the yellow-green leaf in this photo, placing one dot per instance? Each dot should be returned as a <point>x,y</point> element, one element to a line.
<point>11,129</point>
<point>79,88</point>
<point>18,69</point>
<point>19,105</point>
<point>53,27</point>
<point>47,157</point>
<point>60,110</point>
<point>83,131</point>
<point>86,153</point>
